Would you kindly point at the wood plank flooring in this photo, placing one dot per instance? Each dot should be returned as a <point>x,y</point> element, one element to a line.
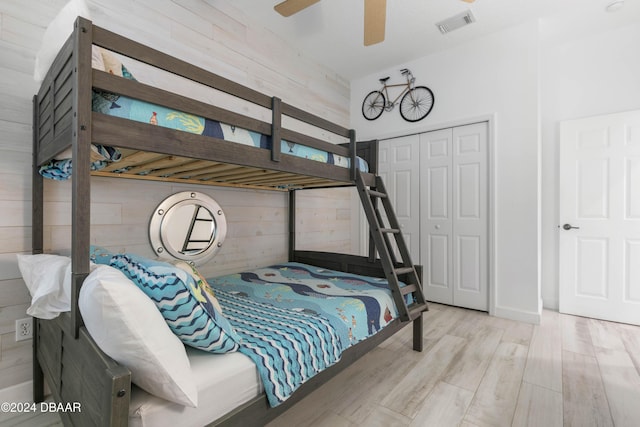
<point>478,371</point>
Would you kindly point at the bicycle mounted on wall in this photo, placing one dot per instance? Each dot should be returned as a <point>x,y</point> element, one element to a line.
<point>415,105</point>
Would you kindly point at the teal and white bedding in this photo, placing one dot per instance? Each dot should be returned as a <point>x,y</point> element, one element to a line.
<point>295,320</point>
<point>132,109</point>
<point>145,112</point>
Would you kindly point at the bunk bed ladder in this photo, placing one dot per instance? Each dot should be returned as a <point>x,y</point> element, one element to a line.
<point>380,234</point>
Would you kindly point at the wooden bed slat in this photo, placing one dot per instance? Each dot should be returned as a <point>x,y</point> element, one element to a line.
<point>200,166</point>
<point>196,173</point>
<point>170,169</point>
<point>160,163</point>
<point>135,159</point>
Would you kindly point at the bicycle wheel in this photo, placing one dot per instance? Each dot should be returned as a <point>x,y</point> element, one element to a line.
<point>416,104</point>
<point>373,105</point>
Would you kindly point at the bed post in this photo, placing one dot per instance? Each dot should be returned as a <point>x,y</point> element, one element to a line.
<point>292,224</point>
<point>276,126</point>
<point>37,245</point>
<point>354,154</point>
<point>81,147</point>
<point>417,322</point>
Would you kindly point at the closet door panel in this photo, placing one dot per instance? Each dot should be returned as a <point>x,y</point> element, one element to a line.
<point>436,207</point>
<point>399,165</point>
<point>468,258</point>
<point>470,226</point>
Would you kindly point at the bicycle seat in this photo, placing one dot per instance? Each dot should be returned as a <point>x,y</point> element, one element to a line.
<point>384,79</point>
<point>404,71</point>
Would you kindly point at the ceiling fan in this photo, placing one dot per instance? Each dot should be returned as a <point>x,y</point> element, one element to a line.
<point>375,15</point>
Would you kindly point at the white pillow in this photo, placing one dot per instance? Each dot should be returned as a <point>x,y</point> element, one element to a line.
<point>48,278</point>
<point>56,34</point>
<point>97,61</point>
<point>127,326</point>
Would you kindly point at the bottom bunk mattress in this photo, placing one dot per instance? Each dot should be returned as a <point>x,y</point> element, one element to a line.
<point>223,381</point>
<point>294,320</point>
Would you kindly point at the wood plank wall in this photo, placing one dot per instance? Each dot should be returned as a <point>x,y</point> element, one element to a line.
<point>218,38</point>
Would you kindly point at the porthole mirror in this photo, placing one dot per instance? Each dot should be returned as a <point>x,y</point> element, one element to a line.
<point>188,226</point>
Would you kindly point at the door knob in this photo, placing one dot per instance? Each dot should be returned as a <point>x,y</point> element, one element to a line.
<point>569,227</point>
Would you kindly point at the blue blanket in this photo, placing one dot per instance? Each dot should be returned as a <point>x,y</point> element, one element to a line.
<point>296,319</point>
<point>287,347</point>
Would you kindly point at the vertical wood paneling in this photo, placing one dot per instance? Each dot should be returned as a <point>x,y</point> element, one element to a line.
<point>219,39</point>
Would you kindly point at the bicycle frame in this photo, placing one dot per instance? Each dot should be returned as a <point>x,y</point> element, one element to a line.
<point>407,87</point>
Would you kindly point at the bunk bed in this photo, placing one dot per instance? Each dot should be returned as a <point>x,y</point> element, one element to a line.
<point>64,353</point>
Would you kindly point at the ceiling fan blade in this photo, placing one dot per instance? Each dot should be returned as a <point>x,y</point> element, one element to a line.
<point>375,16</point>
<point>289,7</point>
<point>468,1</point>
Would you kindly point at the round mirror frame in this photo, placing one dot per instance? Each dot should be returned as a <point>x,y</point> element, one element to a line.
<point>161,220</point>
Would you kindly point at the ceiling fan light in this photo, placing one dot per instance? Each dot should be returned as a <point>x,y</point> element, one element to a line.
<point>455,22</point>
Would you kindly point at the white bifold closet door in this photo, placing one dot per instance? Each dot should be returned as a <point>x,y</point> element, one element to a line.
<point>454,215</point>
<point>399,167</point>
<point>438,184</point>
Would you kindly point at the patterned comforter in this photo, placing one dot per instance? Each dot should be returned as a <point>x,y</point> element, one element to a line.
<point>145,112</point>
<point>295,320</point>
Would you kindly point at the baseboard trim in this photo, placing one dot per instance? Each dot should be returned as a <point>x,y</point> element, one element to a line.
<point>519,315</point>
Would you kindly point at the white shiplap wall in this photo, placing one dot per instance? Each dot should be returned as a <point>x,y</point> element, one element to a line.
<point>212,34</point>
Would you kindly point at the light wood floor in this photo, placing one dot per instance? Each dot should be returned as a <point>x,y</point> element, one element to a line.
<point>479,371</point>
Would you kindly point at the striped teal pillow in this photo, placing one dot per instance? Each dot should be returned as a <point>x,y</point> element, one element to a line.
<point>184,306</point>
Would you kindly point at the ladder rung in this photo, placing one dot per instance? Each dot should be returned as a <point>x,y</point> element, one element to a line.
<point>408,289</point>
<point>416,309</point>
<point>403,270</point>
<point>390,230</point>
<point>377,194</point>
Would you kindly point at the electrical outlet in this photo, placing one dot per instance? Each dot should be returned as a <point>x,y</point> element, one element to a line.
<point>24,329</point>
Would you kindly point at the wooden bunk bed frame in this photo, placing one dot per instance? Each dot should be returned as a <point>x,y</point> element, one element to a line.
<point>64,354</point>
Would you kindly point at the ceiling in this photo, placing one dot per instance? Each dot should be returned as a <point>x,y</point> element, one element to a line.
<point>331,31</point>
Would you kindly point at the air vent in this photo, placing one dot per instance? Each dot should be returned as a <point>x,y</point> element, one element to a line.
<point>455,22</point>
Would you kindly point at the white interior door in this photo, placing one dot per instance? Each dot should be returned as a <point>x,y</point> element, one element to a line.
<point>398,166</point>
<point>600,198</point>
<point>454,203</point>
<point>436,199</point>
<point>470,216</point>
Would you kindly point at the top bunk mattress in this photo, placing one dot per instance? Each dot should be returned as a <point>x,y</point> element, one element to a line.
<point>129,108</point>
<point>145,112</point>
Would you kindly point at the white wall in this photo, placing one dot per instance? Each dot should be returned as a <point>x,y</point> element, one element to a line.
<point>495,75</point>
<point>220,39</point>
<point>583,77</point>
<point>531,81</point>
